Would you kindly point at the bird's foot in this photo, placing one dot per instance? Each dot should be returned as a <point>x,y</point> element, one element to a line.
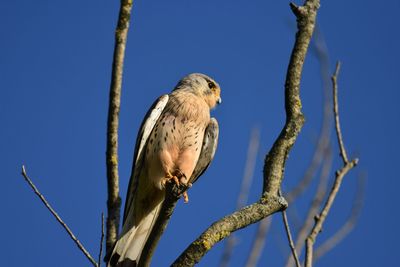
<point>169,178</point>
<point>184,181</point>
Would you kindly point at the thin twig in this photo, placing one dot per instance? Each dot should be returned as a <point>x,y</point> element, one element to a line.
<point>289,236</point>
<point>320,219</point>
<point>336,112</point>
<point>275,160</point>
<point>315,205</point>
<point>348,226</point>
<point>252,152</point>
<point>114,199</point>
<point>58,218</point>
<point>348,165</point>
<point>259,241</point>
<point>101,239</point>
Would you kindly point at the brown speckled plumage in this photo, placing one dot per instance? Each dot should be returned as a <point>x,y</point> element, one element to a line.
<point>177,136</point>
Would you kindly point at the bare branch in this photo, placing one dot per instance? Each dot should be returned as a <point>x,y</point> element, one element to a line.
<point>320,49</point>
<point>348,226</point>
<point>252,152</point>
<point>336,112</point>
<point>101,239</point>
<point>315,205</point>
<point>289,236</point>
<point>114,200</point>
<point>258,242</point>
<point>58,218</point>
<point>219,230</point>
<point>275,160</point>
<point>348,165</point>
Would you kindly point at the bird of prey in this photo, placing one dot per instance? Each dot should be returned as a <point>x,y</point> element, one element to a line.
<point>176,143</point>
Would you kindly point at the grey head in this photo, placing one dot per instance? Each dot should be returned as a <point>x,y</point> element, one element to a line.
<point>201,85</point>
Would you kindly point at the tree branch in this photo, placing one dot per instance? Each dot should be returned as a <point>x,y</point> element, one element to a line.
<point>315,205</point>
<point>290,239</point>
<point>114,200</point>
<point>101,239</point>
<point>276,158</point>
<point>266,206</point>
<point>348,165</point>
<point>58,218</point>
<point>269,202</point>
<point>348,226</point>
<point>336,112</point>
<point>320,49</point>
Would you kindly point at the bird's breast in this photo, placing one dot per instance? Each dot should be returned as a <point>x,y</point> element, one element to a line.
<point>174,135</point>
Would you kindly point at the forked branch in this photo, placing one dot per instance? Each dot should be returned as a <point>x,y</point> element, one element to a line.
<point>348,165</point>
<point>274,165</point>
<point>348,226</point>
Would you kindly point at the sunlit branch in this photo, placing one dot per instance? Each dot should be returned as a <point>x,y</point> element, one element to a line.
<point>275,160</point>
<point>348,165</point>
<point>114,199</point>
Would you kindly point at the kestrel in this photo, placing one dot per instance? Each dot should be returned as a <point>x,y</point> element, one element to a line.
<point>176,143</point>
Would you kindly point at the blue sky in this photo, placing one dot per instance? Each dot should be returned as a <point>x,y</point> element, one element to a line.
<point>55,64</point>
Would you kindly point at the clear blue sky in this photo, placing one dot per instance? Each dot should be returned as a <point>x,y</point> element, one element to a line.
<point>55,63</point>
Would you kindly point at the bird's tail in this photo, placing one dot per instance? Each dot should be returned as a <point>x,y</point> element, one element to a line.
<point>130,244</point>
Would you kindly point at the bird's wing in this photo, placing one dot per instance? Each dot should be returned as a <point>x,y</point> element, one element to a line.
<point>146,127</point>
<point>210,142</point>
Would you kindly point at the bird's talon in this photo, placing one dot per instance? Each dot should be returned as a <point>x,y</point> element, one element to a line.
<point>185,197</point>
<point>184,181</point>
<point>168,179</point>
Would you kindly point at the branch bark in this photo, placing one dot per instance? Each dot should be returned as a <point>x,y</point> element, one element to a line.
<point>318,46</point>
<point>114,199</point>
<point>290,239</point>
<point>340,174</point>
<point>58,218</point>
<point>270,202</point>
<point>320,49</point>
<point>101,239</point>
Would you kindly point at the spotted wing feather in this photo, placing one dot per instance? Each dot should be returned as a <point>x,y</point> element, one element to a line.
<point>145,129</point>
<point>210,142</point>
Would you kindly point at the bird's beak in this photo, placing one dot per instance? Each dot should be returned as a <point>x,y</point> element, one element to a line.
<point>219,100</point>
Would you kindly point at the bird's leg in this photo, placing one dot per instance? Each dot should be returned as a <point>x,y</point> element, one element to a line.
<point>182,178</point>
<point>168,178</point>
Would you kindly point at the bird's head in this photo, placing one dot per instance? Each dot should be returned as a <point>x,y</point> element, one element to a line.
<point>203,86</point>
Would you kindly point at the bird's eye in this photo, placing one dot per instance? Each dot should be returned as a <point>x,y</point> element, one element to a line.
<point>211,85</point>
